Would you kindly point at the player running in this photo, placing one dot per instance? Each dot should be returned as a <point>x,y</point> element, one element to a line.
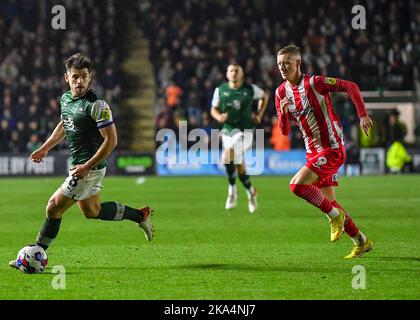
<point>306,99</point>
<point>232,107</point>
<point>87,124</point>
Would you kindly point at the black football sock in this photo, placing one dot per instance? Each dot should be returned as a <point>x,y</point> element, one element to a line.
<point>48,232</point>
<point>246,180</point>
<point>231,171</point>
<point>115,211</point>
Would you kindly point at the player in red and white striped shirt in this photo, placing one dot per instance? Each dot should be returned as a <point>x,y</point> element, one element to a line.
<point>306,99</point>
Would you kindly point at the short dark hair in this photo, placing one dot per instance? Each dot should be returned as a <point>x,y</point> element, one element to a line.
<point>289,49</point>
<point>234,64</point>
<point>78,61</point>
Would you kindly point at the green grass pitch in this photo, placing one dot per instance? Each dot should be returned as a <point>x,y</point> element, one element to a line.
<point>202,251</point>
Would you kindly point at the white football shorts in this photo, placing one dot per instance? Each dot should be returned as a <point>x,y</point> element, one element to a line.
<point>81,189</point>
<point>239,142</point>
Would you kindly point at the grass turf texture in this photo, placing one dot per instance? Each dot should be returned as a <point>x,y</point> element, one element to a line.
<point>202,251</point>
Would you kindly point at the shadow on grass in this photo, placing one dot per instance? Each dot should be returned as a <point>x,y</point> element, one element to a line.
<point>44,274</point>
<point>210,266</point>
<point>220,267</point>
<point>416,259</point>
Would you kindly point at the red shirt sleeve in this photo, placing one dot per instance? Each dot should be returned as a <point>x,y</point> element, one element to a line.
<point>324,85</point>
<point>284,123</point>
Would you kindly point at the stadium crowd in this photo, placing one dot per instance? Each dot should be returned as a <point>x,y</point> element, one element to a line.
<point>193,41</point>
<point>191,44</point>
<point>32,56</point>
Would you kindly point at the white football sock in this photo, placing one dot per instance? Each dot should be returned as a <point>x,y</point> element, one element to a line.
<point>232,190</point>
<point>333,213</point>
<point>250,191</point>
<point>359,238</point>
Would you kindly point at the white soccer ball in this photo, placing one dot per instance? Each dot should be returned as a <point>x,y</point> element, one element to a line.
<point>32,259</point>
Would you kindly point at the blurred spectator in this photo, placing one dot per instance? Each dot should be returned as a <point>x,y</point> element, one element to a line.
<point>278,141</point>
<point>353,165</point>
<point>397,158</point>
<point>33,143</point>
<point>173,95</point>
<point>194,101</point>
<point>395,130</point>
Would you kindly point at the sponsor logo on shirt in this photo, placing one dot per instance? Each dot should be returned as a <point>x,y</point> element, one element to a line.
<point>69,124</point>
<point>235,104</point>
<point>105,114</point>
<point>307,110</point>
<point>331,81</point>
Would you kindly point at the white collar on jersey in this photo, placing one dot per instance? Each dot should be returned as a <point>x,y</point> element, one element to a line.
<point>302,76</point>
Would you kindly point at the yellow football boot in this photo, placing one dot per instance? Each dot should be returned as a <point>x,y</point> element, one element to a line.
<point>358,250</point>
<point>337,225</point>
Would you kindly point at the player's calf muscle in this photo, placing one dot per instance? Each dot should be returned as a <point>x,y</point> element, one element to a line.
<point>57,205</point>
<point>90,212</point>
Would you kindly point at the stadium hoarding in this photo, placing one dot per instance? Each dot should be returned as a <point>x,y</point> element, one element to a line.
<point>129,163</point>
<point>275,163</point>
<point>58,164</point>
<point>19,164</point>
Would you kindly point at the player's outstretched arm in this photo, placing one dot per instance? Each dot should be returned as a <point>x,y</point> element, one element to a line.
<point>325,85</point>
<point>353,91</point>
<point>56,137</point>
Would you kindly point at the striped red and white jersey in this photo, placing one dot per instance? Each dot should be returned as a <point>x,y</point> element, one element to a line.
<point>312,109</point>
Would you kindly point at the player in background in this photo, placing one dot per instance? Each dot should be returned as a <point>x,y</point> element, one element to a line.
<point>232,107</point>
<point>87,124</point>
<point>306,99</point>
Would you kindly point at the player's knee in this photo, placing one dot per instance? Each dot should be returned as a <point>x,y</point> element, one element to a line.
<point>52,210</point>
<point>295,180</point>
<point>295,188</point>
<point>241,169</point>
